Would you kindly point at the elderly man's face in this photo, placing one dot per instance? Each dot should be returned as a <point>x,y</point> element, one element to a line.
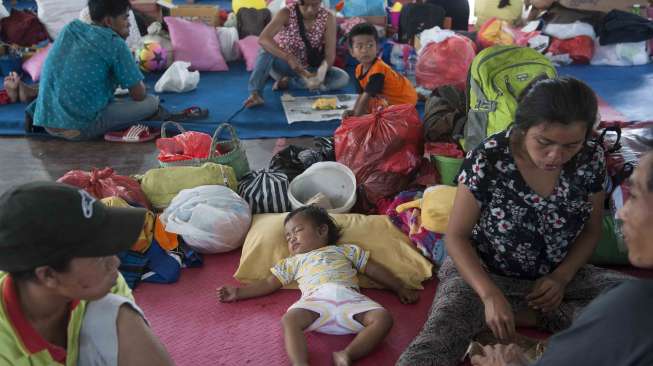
<point>637,216</point>
<point>87,278</point>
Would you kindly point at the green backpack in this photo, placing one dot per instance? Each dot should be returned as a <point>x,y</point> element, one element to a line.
<point>497,77</point>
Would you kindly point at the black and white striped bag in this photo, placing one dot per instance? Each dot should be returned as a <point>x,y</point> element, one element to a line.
<point>265,191</point>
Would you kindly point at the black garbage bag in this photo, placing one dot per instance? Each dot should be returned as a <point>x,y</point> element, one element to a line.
<point>287,161</point>
<point>293,159</point>
<point>325,146</point>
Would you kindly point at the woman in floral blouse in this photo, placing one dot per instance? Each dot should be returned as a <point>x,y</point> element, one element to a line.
<point>526,219</point>
<point>298,49</point>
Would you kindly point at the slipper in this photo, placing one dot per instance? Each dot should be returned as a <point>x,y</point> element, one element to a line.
<point>135,133</point>
<point>189,114</point>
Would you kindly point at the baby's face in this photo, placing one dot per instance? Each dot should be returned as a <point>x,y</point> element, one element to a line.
<point>303,236</point>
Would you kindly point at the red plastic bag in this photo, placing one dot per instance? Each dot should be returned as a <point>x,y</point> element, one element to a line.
<point>445,63</point>
<point>105,183</point>
<point>499,32</point>
<point>382,149</point>
<point>443,149</point>
<point>580,49</point>
<point>185,146</point>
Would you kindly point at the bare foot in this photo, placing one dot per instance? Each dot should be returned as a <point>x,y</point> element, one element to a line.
<point>281,84</point>
<point>27,93</point>
<point>253,101</point>
<point>11,86</point>
<point>341,359</point>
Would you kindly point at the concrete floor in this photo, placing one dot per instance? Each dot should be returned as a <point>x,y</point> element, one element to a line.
<point>25,159</point>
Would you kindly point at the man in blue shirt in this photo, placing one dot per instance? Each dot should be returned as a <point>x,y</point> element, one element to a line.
<point>86,64</point>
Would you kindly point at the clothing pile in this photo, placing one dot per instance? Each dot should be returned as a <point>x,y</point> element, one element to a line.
<point>193,206</point>
<point>565,35</point>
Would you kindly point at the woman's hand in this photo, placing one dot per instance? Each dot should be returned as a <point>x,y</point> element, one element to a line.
<point>295,65</point>
<point>499,316</point>
<point>500,355</point>
<point>547,293</point>
<point>407,296</point>
<point>227,294</point>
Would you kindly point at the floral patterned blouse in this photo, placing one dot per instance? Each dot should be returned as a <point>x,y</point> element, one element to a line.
<point>520,233</point>
<point>289,40</point>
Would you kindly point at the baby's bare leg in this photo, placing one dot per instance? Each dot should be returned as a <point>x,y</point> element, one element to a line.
<point>378,323</point>
<point>294,322</point>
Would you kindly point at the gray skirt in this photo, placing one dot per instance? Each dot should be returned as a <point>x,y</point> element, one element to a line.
<point>458,314</point>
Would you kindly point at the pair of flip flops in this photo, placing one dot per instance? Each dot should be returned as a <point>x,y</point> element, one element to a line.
<point>142,133</point>
<point>135,133</point>
<point>189,114</point>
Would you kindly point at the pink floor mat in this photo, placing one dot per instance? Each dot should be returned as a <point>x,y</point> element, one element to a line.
<point>198,330</point>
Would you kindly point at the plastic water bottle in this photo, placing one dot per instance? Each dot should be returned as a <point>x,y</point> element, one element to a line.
<point>397,59</point>
<point>412,63</point>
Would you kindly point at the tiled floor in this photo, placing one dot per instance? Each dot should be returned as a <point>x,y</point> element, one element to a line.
<point>28,159</point>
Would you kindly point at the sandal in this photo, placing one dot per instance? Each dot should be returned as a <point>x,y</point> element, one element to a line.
<point>187,114</point>
<point>135,133</point>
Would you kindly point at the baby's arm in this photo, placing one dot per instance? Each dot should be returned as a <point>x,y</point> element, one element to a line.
<point>380,274</point>
<point>255,289</point>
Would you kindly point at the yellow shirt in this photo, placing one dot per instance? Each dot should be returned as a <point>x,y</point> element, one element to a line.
<point>338,264</point>
<point>20,345</point>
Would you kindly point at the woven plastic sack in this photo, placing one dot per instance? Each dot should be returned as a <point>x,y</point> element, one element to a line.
<point>382,149</point>
<point>102,183</point>
<point>210,219</point>
<point>163,184</point>
<point>445,63</point>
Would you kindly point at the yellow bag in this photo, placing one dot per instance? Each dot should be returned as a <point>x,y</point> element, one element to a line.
<point>495,32</point>
<point>163,184</point>
<point>256,4</point>
<point>145,238</point>
<point>487,9</point>
<point>436,206</point>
